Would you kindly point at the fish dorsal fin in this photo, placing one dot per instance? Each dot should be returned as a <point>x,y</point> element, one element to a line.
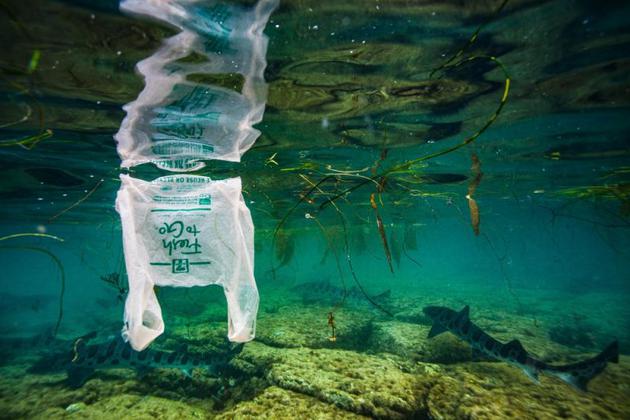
<point>514,346</point>
<point>436,329</point>
<point>464,313</point>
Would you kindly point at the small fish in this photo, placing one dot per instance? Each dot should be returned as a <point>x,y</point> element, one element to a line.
<point>318,291</point>
<point>577,374</point>
<point>118,354</point>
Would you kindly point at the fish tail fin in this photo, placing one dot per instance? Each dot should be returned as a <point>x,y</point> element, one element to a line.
<point>580,374</point>
<point>577,381</point>
<point>611,352</point>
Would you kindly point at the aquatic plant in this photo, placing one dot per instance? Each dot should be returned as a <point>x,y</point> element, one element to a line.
<point>395,247</point>
<point>284,248</point>
<point>331,324</point>
<point>472,187</point>
<point>380,187</point>
<point>114,280</point>
<point>381,232</point>
<point>315,186</point>
<point>410,239</point>
<point>79,201</point>
<point>26,142</point>
<point>33,234</point>
<point>379,177</point>
<point>56,260</point>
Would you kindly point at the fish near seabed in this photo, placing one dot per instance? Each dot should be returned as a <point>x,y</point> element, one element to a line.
<point>577,374</point>
<point>116,353</point>
<point>318,291</point>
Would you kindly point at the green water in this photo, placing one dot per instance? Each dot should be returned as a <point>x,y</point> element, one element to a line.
<point>351,98</point>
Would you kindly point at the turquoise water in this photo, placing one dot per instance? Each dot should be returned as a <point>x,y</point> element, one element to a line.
<point>372,165</point>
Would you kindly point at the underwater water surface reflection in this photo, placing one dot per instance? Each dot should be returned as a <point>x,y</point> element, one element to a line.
<point>438,193</point>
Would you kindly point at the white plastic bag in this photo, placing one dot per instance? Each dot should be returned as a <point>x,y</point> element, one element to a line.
<point>177,124</point>
<point>186,230</point>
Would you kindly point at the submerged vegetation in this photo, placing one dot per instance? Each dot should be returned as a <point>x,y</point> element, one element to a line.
<point>53,257</point>
<point>369,201</point>
<point>114,280</point>
<point>382,177</point>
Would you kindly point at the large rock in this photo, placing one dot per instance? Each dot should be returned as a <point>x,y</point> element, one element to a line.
<point>307,326</point>
<point>278,403</point>
<point>128,407</point>
<point>497,390</point>
<point>360,383</point>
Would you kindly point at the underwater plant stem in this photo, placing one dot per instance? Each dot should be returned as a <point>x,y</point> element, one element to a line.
<point>38,235</point>
<point>381,231</point>
<point>506,278</point>
<point>347,250</point>
<point>331,324</point>
<point>354,275</point>
<point>474,136</point>
<point>295,206</point>
<point>79,201</point>
<point>25,117</point>
<point>473,38</point>
<point>416,262</point>
<point>500,261</point>
<point>402,167</point>
<point>27,142</point>
<point>62,278</point>
<point>331,247</point>
<point>290,212</point>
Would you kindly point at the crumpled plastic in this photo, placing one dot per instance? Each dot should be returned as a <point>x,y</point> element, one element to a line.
<point>184,231</point>
<point>177,123</point>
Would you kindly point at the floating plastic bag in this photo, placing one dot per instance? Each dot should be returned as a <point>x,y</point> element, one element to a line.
<point>176,123</point>
<point>186,230</point>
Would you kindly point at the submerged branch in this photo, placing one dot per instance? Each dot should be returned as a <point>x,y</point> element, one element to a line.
<point>79,201</point>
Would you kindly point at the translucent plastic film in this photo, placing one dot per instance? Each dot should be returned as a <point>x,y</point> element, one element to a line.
<point>186,230</point>
<point>178,121</point>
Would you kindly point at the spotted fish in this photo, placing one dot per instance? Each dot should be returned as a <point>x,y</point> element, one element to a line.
<point>326,292</point>
<point>118,354</point>
<point>577,374</point>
